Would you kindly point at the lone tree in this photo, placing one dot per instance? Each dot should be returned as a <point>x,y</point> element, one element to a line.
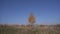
<point>31,19</point>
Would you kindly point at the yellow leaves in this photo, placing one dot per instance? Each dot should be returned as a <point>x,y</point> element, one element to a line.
<point>31,18</point>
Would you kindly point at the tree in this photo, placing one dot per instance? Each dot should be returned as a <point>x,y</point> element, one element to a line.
<point>31,19</point>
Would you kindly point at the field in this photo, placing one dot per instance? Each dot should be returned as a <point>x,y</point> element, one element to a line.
<point>13,30</point>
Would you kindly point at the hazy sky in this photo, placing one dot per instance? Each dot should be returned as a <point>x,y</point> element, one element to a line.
<point>18,11</point>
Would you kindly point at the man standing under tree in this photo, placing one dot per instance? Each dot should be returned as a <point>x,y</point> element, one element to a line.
<point>31,20</point>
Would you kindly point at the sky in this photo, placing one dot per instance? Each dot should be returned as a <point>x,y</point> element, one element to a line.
<point>18,11</point>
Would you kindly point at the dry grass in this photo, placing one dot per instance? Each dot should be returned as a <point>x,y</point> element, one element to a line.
<point>12,30</point>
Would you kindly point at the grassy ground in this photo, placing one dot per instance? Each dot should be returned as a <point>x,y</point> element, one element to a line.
<point>12,30</point>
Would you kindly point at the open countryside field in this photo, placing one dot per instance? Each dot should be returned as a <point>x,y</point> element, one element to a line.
<point>5,29</point>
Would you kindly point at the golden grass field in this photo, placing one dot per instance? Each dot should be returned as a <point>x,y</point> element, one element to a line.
<point>5,29</point>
